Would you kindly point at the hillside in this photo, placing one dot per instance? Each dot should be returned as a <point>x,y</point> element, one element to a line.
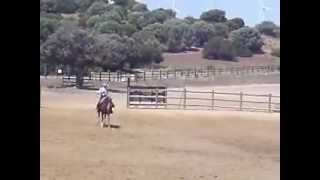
<point>195,59</point>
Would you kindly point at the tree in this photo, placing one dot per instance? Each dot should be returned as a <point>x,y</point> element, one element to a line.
<point>275,52</point>
<point>139,7</point>
<point>47,27</point>
<point>59,6</point>
<point>69,45</point>
<point>221,29</point>
<point>248,37</point>
<point>190,20</point>
<point>160,31</point>
<point>240,49</point>
<point>111,50</point>
<point>214,16</point>
<point>267,28</point>
<point>98,7</point>
<point>134,18</point>
<point>121,2</point>
<point>235,23</point>
<point>277,32</point>
<point>179,35</point>
<point>147,49</point>
<point>109,27</point>
<point>218,48</point>
<point>202,32</point>
<point>83,5</point>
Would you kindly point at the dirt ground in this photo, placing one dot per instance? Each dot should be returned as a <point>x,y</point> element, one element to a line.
<point>156,144</point>
<point>195,59</point>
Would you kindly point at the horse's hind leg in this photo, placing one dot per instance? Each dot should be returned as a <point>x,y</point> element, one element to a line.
<point>102,120</point>
<point>98,119</point>
<point>109,125</point>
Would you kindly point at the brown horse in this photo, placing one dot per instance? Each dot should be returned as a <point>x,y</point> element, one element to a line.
<point>105,109</point>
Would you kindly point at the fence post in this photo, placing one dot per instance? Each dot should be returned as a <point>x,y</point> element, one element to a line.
<point>40,95</point>
<point>157,94</point>
<point>144,75</point>
<point>241,98</point>
<point>152,74</point>
<point>128,93</point>
<point>212,99</point>
<point>175,73</point>
<point>165,98</point>
<point>269,104</point>
<point>100,76</point>
<point>160,73</point>
<point>184,98</point>
<point>167,74</point>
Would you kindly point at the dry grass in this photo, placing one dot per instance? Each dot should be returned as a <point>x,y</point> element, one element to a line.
<point>154,144</point>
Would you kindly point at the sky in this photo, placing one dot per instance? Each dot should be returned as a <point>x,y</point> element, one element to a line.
<point>249,10</point>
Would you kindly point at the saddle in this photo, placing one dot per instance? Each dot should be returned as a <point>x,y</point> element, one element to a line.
<point>104,98</point>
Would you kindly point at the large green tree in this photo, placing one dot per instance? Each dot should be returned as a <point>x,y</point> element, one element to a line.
<point>69,45</point>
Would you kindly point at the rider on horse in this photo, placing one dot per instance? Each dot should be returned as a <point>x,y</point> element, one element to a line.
<point>103,94</point>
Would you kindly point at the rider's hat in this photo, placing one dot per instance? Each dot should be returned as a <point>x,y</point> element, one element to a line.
<point>104,84</point>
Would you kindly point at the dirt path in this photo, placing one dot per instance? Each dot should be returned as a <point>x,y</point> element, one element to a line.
<point>155,144</point>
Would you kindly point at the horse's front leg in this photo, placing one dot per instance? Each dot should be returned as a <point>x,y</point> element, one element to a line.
<point>98,118</point>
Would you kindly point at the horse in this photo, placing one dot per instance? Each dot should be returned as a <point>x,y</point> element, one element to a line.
<point>105,109</point>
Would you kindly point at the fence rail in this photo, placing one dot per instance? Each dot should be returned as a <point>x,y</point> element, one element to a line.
<point>209,73</point>
<point>163,74</point>
<point>160,97</point>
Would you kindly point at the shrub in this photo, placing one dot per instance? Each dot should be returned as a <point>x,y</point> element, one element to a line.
<point>214,16</point>
<point>235,23</point>
<point>275,52</point>
<point>202,32</point>
<point>267,28</point>
<point>247,37</point>
<point>219,48</point>
<point>241,50</point>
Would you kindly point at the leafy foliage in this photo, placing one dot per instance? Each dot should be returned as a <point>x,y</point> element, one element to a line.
<point>219,48</point>
<point>248,37</point>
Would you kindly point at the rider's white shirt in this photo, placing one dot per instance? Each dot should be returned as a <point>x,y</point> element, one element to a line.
<point>102,91</point>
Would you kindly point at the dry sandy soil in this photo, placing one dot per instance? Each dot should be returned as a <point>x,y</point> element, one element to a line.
<point>156,144</point>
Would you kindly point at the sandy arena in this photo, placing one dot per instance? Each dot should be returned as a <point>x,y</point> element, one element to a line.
<point>156,144</point>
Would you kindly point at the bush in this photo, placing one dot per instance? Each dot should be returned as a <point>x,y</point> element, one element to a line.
<point>214,16</point>
<point>97,8</point>
<point>220,29</point>
<point>190,20</point>
<point>202,32</point>
<point>139,7</point>
<point>241,50</point>
<point>219,48</point>
<point>235,23</point>
<point>59,6</point>
<point>267,28</point>
<point>275,52</point>
<point>109,27</point>
<point>247,37</point>
<point>47,27</point>
<point>277,32</point>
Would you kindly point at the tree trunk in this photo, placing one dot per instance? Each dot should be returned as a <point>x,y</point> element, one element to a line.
<point>79,78</point>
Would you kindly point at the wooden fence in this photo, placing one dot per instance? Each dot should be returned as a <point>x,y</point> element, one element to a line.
<point>139,97</point>
<point>208,73</point>
<point>196,73</point>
